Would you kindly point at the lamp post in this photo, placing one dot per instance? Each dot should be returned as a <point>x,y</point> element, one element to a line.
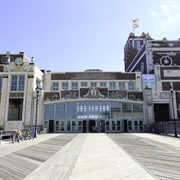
<point>37,98</point>
<point>175,130</point>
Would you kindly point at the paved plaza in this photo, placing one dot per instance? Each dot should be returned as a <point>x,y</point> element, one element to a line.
<point>92,156</point>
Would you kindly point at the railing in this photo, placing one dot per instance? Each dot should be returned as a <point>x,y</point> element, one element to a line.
<point>6,135</point>
<point>166,127</point>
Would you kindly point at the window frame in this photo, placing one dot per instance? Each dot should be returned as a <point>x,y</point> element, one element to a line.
<point>84,84</point>
<point>74,85</point>
<point>112,85</point>
<point>93,84</point>
<point>131,86</point>
<point>65,85</point>
<point>18,84</point>
<point>103,84</point>
<point>55,86</point>
<point>121,85</point>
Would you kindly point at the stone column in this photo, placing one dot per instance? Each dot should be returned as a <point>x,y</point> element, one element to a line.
<point>4,100</point>
<point>148,109</point>
<point>29,101</point>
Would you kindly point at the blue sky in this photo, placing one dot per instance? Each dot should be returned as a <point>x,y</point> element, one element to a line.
<point>75,35</point>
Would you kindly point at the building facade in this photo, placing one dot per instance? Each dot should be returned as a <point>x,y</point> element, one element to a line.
<point>89,101</point>
<point>93,100</point>
<point>159,63</point>
<point>18,80</point>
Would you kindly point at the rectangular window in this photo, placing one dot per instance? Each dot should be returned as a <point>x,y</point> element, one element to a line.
<point>126,110</point>
<point>121,85</point>
<point>71,110</point>
<point>55,86</point>
<point>21,83</point>
<point>112,85</point>
<point>84,84</point>
<point>0,83</point>
<point>49,111</point>
<point>15,109</point>
<point>17,83</point>
<point>74,85</point>
<point>138,110</point>
<point>138,45</point>
<point>93,83</point>
<point>64,85</point>
<point>60,111</point>
<point>102,84</point>
<point>131,86</point>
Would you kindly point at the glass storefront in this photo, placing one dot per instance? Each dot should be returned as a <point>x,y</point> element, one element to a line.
<point>95,116</point>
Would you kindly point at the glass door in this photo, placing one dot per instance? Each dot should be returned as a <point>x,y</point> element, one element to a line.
<point>102,126</point>
<point>116,126</point>
<point>107,126</point>
<point>141,129</point>
<point>113,126</point>
<point>68,126</point>
<point>74,129</point>
<point>129,126</point>
<point>80,126</point>
<point>57,126</point>
<point>62,126</point>
<point>138,125</point>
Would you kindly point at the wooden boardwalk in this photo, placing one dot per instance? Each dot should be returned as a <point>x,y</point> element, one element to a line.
<point>19,164</point>
<point>92,157</point>
<point>161,160</point>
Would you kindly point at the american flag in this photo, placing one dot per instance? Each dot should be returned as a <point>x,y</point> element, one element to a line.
<point>135,23</point>
<point>136,20</point>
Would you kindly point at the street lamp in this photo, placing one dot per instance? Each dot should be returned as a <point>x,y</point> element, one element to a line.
<point>175,130</point>
<point>37,98</point>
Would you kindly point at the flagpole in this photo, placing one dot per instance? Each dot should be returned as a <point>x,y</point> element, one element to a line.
<point>133,27</point>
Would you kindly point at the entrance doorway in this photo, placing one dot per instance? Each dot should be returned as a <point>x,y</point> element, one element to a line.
<point>102,126</point>
<point>161,112</point>
<point>84,126</point>
<point>125,125</point>
<point>51,125</point>
<point>92,126</point>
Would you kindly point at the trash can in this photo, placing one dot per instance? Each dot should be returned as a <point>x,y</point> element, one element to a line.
<point>153,130</point>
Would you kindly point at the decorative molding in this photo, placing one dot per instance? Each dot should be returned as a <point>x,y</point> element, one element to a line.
<point>55,97</point>
<point>93,92</point>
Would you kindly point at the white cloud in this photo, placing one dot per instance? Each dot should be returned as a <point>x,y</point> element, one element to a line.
<point>169,20</point>
<point>165,8</point>
<point>154,14</point>
<point>178,15</point>
<point>174,5</point>
<point>164,28</point>
<point>167,15</point>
